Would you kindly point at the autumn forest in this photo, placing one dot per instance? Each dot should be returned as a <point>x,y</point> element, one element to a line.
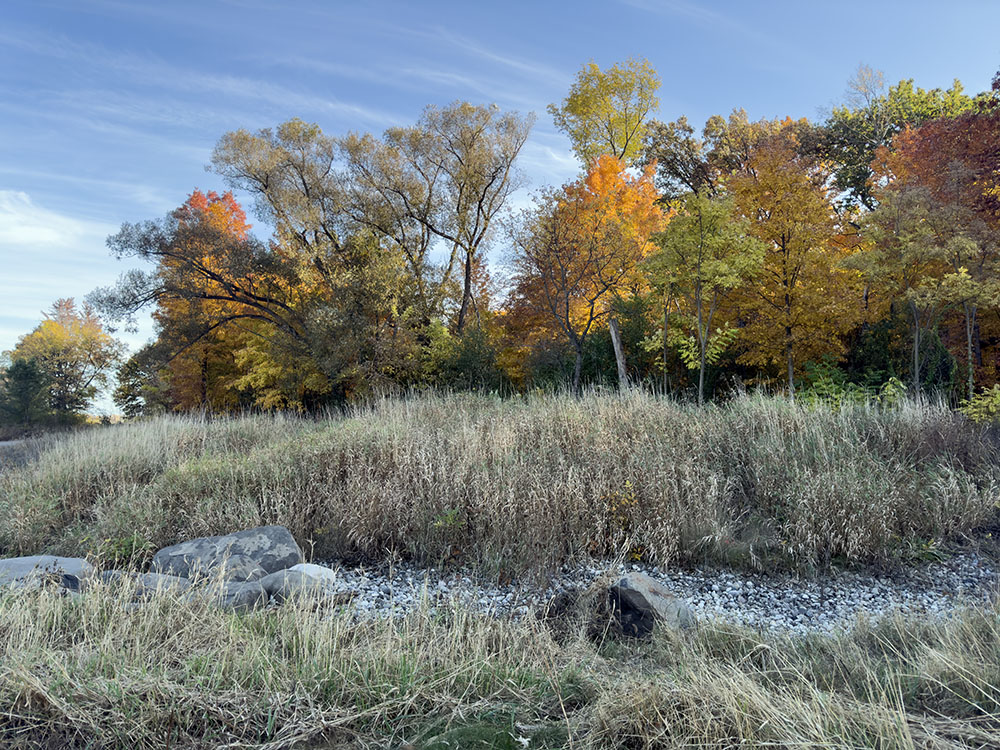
<point>854,257</point>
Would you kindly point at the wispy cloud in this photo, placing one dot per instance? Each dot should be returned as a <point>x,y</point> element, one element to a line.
<point>531,69</point>
<point>701,15</point>
<point>155,75</point>
<point>26,226</point>
<point>546,163</point>
<point>159,200</point>
<point>698,13</point>
<point>177,146</point>
<point>372,73</point>
<point>429,77</point>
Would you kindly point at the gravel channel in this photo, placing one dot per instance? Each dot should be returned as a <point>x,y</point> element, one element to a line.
<point>769,602</point>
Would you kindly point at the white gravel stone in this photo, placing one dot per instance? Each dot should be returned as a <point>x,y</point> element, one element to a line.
<point>771,602</point>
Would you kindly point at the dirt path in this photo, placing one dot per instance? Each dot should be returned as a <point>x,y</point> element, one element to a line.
<point>13,453</point>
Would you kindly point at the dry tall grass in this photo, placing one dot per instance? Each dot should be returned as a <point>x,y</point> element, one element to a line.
<point>526,484</point>
<point>94,673</point>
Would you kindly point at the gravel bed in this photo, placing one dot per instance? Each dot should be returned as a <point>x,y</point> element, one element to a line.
<point>771,602</point>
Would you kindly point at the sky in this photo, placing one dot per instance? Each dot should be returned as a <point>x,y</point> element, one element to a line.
<point>109,109</point>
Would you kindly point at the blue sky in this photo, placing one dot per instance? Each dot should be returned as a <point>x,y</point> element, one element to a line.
<point>109,109</point>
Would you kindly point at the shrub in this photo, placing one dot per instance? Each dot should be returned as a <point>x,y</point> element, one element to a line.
<point>983,407</point>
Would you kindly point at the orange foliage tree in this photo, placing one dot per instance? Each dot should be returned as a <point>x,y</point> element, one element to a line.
<point>200,369</point>
<point>580,246</point>
<point>213,286</point>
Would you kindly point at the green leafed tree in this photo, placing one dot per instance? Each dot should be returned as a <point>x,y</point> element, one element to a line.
<point>141,389</point>
<point>681,157</point>
<point>24,393</point>
<point>606,110</point>
<point>705,253</point>
<point>870,118</point>
<point>902,260</point>
<point>439,184</point>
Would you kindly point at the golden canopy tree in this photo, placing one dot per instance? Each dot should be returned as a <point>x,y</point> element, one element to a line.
<point>802,301</point>
<point>75,355</point>
<point>581,245</point>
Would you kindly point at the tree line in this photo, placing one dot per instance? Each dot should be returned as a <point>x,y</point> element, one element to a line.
<point>856,252</point>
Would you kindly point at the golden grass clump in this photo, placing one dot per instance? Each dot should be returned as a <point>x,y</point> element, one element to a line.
<point>91,672</point>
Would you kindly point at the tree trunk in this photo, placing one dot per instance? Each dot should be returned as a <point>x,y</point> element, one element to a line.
<point>789,356</point>
<point>916,350</point>
<point>701,376</point>
<point>466,293</point>
<point>577,367</point>
<point>702,335</point>
<point>970,321</point>
<point>666,321</point>
<point>616,341</point>
<point>789,353</point>
<point>204,379</point>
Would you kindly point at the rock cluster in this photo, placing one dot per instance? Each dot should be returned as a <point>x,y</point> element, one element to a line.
<point>240,571</point>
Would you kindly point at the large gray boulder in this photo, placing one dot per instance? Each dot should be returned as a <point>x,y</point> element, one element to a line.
<point>270,547</point>
<point>640,603</point>
<point>37,570</point>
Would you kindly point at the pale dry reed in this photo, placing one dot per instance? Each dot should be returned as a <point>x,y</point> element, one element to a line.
<point>526,484</point>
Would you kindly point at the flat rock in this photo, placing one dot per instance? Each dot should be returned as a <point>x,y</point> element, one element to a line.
<point>640,603</point>
<point>161,582</point>
<point>147,583</point>
<point>36,567</point>
<point>240,597</point>
<point>270,547</point>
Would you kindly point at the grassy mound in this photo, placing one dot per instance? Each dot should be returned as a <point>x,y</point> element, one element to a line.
<point>524,484</point>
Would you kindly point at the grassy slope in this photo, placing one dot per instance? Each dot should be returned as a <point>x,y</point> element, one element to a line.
<point>523,485</point>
